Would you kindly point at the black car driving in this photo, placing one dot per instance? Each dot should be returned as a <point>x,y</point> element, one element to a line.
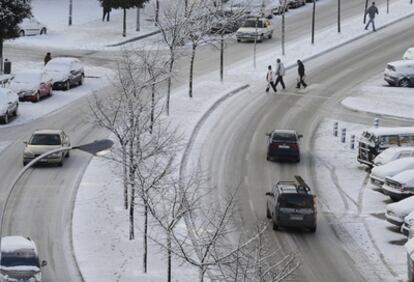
<point>283,145</point>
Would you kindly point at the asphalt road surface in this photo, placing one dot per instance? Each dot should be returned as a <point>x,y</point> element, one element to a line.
<point>42,202</point>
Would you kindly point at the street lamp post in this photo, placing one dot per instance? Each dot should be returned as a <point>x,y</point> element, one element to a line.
<point>70,11</point>
<point>96,148</point>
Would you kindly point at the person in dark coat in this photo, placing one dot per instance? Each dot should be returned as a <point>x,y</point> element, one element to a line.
<point>106,11</point>
<point>269,78</point>
<point>301,73</point>
<point>371,11</point>
<point>47,58</point>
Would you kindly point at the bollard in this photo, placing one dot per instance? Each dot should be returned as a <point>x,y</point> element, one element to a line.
<point>352,141</point>
<point>335,129</point>
<point>343,135</point>
<point>376,122</point>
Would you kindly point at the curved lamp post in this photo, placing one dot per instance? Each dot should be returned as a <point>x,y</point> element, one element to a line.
<point>97,148</point>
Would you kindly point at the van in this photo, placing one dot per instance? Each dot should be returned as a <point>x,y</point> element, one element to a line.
<point>292,204</point>
<point>400,73</point>
<point>19,260</point>
<point>375,140</point>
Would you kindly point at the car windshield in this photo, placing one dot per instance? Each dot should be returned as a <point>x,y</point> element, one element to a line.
<point>296,201</point>
<point>19,259</point>
<point>28,78</point>
<point>252,23</point>
<point>284,137</point>
<point>45,139</point>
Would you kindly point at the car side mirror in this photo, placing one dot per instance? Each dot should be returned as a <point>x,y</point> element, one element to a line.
<point>43,264</point>
<point>25,142</point>
<point>300,136</point>
<point>270,194</point>
<point>267,134</point>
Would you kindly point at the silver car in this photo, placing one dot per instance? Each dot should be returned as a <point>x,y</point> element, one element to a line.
<point>43,141</point>
<point>400,73</point>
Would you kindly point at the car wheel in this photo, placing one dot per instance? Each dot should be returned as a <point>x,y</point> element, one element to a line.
<point>21,33</point>
<point>67,85</point>
<point>268,215</point>
<point>268,158</point>
<point>238,40</point>
<point>50,92</point>
<point>313,229</point>
<point>261,38</point>
<point>43,31</point>
<point>81,79</point>
<point>67,154</point>
<point>404,82</point>
<point>16,110</point>
<point>24,163</point>
<point>6,118</point>
<point>271,35</point>
<point>60,164</point>
<point>275,226</point>
<point>37,99</point>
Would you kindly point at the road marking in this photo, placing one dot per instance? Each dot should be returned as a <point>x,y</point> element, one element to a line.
<point>246,180</point>
<point>251,206</point>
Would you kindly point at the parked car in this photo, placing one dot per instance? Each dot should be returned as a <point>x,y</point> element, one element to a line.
<point>396,212</point>
<point>254,28</point>
<point>379,173</point>
<point>278,9</point>
<point>31,26</point>
<point>400,73</point>
<point>283,144</point>
<point>65,72</point>
<point>409,246</point>
<point>393,153</point>
<point>31,86</point>
<point>399,186</point>
<point>9,104</point>
<point>20,260</point>
<point>375,140</point>
<point>409,54</point>
<point>292,204</point>
<point>407,225</point>
<point>43,141</point>
<point>295,3</point>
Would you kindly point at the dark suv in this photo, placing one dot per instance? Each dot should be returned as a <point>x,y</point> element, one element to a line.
<point>283,145</point>
<point>292,204</point>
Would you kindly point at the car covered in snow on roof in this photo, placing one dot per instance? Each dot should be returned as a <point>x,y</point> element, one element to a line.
<point>31,26</point>
<point>400,73</point>
<point>31,85</point>
<point>399,186</point>
<point>409,54</point>
<point>379,173</point>
<point>9,104</point>
<point>396,212</point>
<point>407,225</point>
<point>65,72</point>
<point>255,29</point>
<point>393,153</point>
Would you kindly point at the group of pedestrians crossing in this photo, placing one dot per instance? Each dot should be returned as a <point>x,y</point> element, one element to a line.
<point>273,78</point>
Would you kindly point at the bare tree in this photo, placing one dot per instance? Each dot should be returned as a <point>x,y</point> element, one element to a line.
<point>173,27</point>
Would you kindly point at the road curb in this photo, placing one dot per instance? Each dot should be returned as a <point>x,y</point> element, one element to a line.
<point>133,39</point>
<point>376,114</point>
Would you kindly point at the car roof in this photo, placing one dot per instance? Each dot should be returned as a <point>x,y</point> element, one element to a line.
<point>390,130</point>
<point>402,63</point>
<point>284,131</point>
<point>48,131</point>
<point>294,187</point>
<point>62,60</point>
<point>13,243</point>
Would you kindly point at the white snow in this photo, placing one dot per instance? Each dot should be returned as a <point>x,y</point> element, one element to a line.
<point>13,243</point>
<point>392,168</point>
<point>406,178</point>
<point>393,153</point>
<point>402,208</point>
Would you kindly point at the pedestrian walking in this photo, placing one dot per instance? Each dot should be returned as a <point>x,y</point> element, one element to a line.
<point>269,78</point>
<point>301,73</point>
<point>280,72</point>
<point>47,58</point>
<point>106,10</point>
<point>371,11</point>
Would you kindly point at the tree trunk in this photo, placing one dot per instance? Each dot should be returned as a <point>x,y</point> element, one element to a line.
<point>201,273</point>
<point>169,82</point>
<point>222,57</point>
<point>255,43</point>
<point>190,82</point>
<point>157,11</point>
<point>1,55</point>
<point>313,21</point>
<point>169,256</point>
<point>339,16</point>
<point>283,33</point>
<point>138,20</point>
<point>365,10</point>
<point>388,7</point>
<point>125,176</point>
<point>131,214</point>
<point>145,255</point>
<point>124,24</point>
<point>152,105</point>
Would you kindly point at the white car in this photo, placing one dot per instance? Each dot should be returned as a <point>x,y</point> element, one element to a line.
<point>399,186</point>
<point>409,54</point>
<point>253,28</point>
<point>396,212</point>
<point>400,73</point>
<point>379,173</point>
<point>393,153</point>
<point>9,104</point>
<point>31,26</point>
<point>407,224</point>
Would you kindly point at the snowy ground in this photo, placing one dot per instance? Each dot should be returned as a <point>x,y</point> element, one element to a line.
<point>355,206</point>
<point>375,96</point>
<point>104,234</point>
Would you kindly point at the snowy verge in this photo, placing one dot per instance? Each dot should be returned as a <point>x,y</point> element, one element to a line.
<point>375,96</point>
<point>355,207</point>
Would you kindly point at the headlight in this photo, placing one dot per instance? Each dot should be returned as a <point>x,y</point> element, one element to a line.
<point>390,213</point>
<point>55,155</point>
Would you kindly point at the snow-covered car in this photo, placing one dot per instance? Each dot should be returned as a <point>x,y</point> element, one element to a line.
<point>396,212</point>
<point>64,72</point>
<point>9,104</point>
<point>295,3</point>
<point>31,86</point>
<point>400,73</point>
<point>254,28</point>
<point>31,26</point>
<point>20,260</point>
<point>277,8</point>
<point>379,173</point>
<point>409,54</point>
<point>407,224</point>
<point>393,153</point>
<point>399,186</point>
<point>409,246</point>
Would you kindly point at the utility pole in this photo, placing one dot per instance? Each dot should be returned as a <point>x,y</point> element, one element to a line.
<point>138,21</point>
<point>339,16</point>
<point>283,27</point>
<point>70,11</point>
<point>313,22</point>
<point>365,11</point>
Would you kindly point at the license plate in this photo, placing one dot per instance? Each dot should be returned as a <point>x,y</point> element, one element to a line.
<point>284,147</point>
<point>296,217</point>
